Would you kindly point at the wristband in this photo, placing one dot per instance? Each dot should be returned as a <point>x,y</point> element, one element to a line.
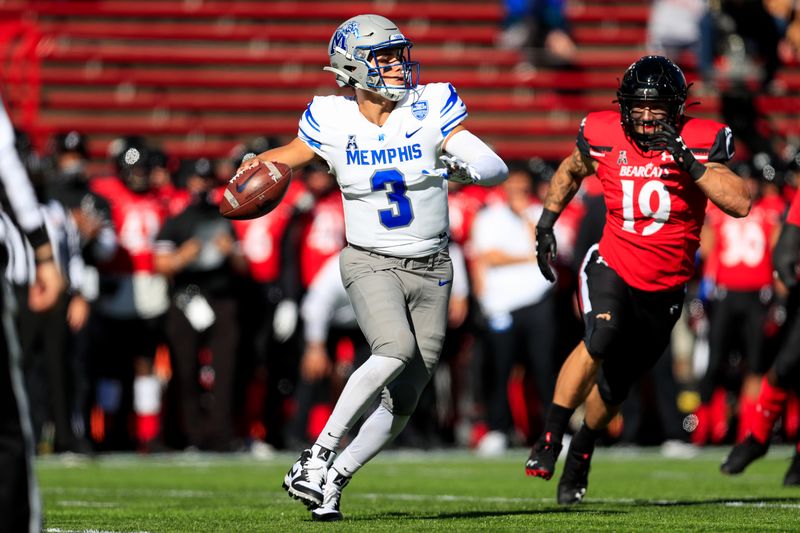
<point>696,170</point>
<point>38,237</point>
<point>548,219</point>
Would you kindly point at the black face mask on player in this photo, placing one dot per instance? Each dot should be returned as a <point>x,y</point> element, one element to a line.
<point>651,80</point>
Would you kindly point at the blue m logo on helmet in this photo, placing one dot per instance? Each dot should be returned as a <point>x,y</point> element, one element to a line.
<point>340,37</point>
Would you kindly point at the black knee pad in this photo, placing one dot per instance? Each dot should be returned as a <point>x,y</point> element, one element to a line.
<point>613,391</point>
<point>601,341</point>
<point>400,398</point>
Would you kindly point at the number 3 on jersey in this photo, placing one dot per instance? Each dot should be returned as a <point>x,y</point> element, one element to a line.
<point>393,182</point>
<point>659,214</point>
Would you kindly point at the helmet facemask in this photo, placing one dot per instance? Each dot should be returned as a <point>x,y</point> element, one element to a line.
<point>651,81</point>
<point>375,80</point>
<point>673,107</point>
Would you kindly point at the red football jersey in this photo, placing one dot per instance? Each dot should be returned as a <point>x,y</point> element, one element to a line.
<point>742,247</point>
<point>261,237</point>
<point>774,203</point>
<point>463,204</point>
<point>793,217</point>
<point>137,220</point>
<point>323,236</point>
<point>654,211</point>
<point>173,199</point>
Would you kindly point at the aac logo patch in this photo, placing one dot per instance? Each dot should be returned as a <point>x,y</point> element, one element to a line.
<point>420,109</point>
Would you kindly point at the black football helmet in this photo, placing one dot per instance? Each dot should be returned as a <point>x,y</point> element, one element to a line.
<point>71,142</point>
<point>69,154</point>
<point>133,163</point>
<point>652,79</point>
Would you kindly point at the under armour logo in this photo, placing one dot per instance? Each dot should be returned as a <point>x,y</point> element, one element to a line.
<point>604,316</point>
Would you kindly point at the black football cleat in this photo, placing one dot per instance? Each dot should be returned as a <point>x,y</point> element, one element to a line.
<point>792,478</point>
<point>542,460</point>
<point>742,455</point>
<point>575,479</point>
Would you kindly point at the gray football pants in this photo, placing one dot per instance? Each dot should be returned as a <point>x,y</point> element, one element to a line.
<point>401,306</point>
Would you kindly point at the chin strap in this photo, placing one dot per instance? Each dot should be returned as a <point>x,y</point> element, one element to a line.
<point>343,79</point>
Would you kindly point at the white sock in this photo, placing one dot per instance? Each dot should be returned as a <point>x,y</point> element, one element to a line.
<point>361,389</point>
<point>146,395</point>
<point>377,431</point>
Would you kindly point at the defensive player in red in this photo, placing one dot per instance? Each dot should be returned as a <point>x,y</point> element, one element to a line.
<point>785,371</point>
<point>739,253</point>
<point>658,168</point>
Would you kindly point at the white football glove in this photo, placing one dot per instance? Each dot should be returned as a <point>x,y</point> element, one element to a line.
<point>455,170</point>
<point>285,320</point>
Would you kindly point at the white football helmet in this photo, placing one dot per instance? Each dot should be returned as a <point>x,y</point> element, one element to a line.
<point>352,50</point>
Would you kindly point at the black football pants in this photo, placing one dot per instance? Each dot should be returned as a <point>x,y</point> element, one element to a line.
<point>20,507</point>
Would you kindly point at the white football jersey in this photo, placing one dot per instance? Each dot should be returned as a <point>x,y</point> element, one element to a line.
<point>390,206</point>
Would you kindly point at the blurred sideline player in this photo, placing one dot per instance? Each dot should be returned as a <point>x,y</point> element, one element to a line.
<point>69,183</point>
<point>45,337</point>
<point>131,305</point>
<point>20,505</point>
<point>268,310</point>
<point>520,313</point>
<point>461,354</point>
<point>196,250</point>
<point>384,146</point>
<point>784,375</point>
<point>739,249</point>
<point>632,284</point>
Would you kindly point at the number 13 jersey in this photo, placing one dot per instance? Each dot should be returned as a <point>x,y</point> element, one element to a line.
<point>654,210</point>
<point>390,205</point>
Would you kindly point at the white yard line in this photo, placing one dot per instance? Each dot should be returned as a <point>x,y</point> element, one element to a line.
<point>769,505</point>
<point>280,497</point>
<point>83,503</point>
<point>59,530</point>
<point>170,493</point>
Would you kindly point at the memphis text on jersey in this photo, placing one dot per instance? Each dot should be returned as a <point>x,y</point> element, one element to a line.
<point>385,156</point>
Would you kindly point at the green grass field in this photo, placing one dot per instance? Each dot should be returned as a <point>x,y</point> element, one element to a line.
<point>630,490</point>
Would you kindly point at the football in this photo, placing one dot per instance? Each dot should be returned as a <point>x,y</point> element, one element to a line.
<point>255,190</point>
